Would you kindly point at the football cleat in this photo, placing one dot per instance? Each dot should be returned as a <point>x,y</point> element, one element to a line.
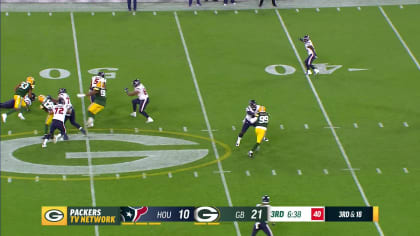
<point>237,144</point>
<point>57,138</point>
<point>251,154</point>
<point>44,145</point>
<point>4,117</point>
<point>133,114</point>
<point>20,115</point>
<point>265,139</point>
<point>309,72</point>
<point>316,71</point>
<point>149,120</point>
<point>90,122</point>
<point>82,130</point>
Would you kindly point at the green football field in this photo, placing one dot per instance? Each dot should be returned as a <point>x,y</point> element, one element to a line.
<point>346,137</point>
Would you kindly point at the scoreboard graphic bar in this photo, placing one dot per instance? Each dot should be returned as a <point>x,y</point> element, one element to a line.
<point>204,215</point>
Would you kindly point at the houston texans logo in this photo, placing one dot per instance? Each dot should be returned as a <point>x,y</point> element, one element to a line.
<point>132,214</point>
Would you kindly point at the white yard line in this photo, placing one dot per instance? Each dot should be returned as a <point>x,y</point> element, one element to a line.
<point>400,38</point>
<point>203,110</point>
<point>79,74</point>
<point>327,118</point>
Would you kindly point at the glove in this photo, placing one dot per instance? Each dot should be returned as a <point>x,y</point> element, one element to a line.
<point>48,97</point>
<point>126,90</point>
<point>80,95</point>
<point>301,39</point>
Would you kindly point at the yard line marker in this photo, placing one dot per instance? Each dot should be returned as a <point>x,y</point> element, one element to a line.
<point>359,8</point>
<point>338,9</point>
<point>317,9</point>
<point>169,174</point>
<point>350,169</point>
<point>405,170</point>
<point>160,129</point>
<point>378,170</point>
<point>281,126</point>
<point>185,129</point>
<point>297,10</point>
<point>9,132</point>
<point>195,174</point>
<point>233,128</point>
<point>247,173</point>
<point>327,118</point>
<point>299,172</point>
<point>400,38</point>
<point>113,13</point>
<point>136,130</point>
<point>325,171</point>
<point>29,14</point>
<point>50,14</point>
<point>356,69</point>
<point>401,6</point>
<point>154,13</point>
<point>117,176</point>
<point>203,110</point>
<point>35,131</point>
<point>273,172</point>
<point>380,125</point>
<point>215,12</point>
<point>111,131</point>
<point>9,180</point>
<point>36,178</point>
<point>143,175</point>
<point>256,11</point>
<point>79,74</point>
<point>355,125</point>
<point>92,13</point>
<point>406,124</point>
<point>306,126</point>
<point>64,178</point>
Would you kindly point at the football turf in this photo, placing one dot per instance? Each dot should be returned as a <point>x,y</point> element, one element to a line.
<point>373,112</point>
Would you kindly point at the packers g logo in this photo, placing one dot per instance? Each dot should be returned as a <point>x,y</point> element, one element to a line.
<point>53,215</point>
<point>206,214</point>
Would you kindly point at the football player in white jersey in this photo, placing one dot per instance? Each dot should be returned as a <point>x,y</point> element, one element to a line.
<point>251,111</point>
<point>59,112</point>
<point>263,224</point>
<point>142,99</point>
<point>71,114</point>
<point>93,83</point>
<point>311,55</point>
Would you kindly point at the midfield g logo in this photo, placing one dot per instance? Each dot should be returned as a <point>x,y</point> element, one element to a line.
<point>138,161</point>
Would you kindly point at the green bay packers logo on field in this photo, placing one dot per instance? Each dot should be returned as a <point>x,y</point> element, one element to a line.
<point>144,160</point>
